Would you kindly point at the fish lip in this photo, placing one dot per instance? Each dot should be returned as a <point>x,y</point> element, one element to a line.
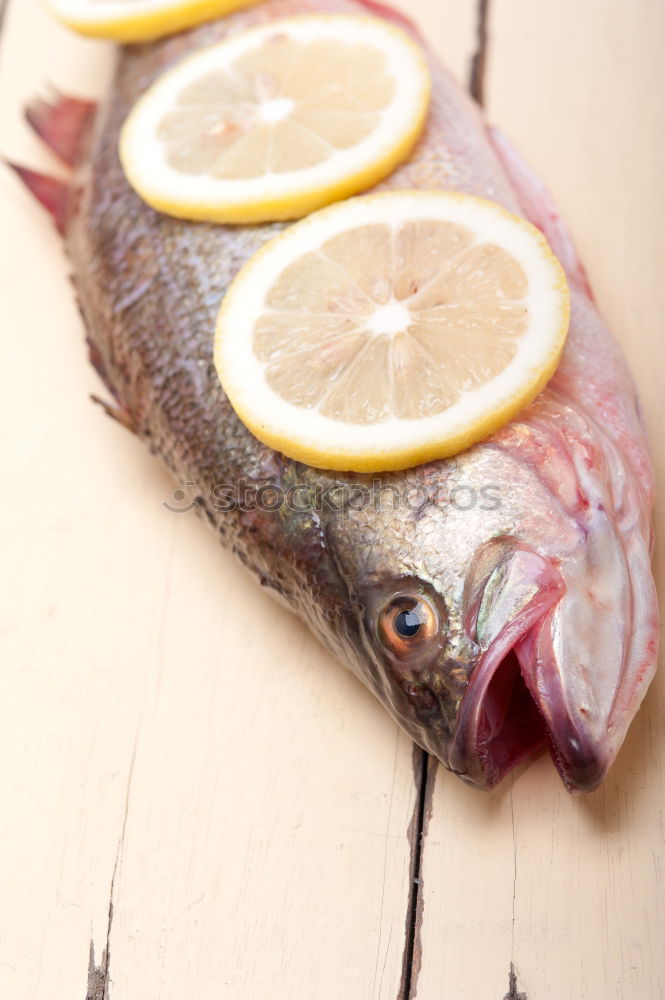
<point>581,764</point>
<point>578,755</point>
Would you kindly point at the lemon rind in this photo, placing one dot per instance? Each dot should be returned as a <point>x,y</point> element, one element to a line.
<point>143,25</point>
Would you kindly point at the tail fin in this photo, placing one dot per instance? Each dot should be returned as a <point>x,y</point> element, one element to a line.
<point>61,124</point>
<point>49,191</point>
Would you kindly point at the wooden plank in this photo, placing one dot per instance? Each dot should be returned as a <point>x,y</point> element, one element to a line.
<point>571,889</point>
<point>141,723</point>
<point>450,28</point>
<point>187,779</point>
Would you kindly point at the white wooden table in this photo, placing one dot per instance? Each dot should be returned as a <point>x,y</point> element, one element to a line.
<point>197,802</point>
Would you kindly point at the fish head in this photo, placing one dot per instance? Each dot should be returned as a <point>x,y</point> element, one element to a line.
<point>440,600</point>
<point>491,623</point>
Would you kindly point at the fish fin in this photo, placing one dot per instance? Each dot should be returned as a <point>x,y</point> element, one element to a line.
<point>389,14</point>
<point>115,409</point>
<point>49,192</point>
<point>61,123</point>
<point>116,412</point>
<point>539,207</point>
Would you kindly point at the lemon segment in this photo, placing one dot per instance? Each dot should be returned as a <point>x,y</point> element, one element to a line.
<point>392,329</point>
<point>139,20</point>
<point>279,120</point>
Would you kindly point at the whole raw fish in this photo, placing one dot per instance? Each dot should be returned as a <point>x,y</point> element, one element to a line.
<point>528,555</point>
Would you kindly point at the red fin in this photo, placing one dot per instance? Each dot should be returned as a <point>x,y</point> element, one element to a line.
<point>61,124</point>
<point>539,207</point>
<point>49,191</point>
<point>390,14</point>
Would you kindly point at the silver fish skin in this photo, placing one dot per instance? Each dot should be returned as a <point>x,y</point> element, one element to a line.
<point>531,549</point>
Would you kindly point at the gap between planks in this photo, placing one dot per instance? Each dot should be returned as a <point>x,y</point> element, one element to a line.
<point>424,765</point>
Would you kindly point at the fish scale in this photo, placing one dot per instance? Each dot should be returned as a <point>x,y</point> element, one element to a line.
<point>541,589</point>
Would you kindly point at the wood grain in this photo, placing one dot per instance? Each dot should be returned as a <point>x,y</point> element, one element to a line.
<point>188,781</point>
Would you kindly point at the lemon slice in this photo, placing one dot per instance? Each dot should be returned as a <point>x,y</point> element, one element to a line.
<point>279,120</point>
<point>391,329</point>
<point>139,20</point>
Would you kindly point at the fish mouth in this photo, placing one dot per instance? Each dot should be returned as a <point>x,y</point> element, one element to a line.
<point>516,701</point>
<point>510,717</point>
<point>508,726</point>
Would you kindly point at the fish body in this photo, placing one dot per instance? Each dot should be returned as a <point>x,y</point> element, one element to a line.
<point>531,550</point>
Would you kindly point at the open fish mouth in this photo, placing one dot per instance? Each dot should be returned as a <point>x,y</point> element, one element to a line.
<point>511,716</point>
<point>518,697</point>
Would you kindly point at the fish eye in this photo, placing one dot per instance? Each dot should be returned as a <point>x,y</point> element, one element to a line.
<point>407,622</point>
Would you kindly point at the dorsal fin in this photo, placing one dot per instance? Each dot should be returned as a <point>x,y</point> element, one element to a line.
<point>539,207</point>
